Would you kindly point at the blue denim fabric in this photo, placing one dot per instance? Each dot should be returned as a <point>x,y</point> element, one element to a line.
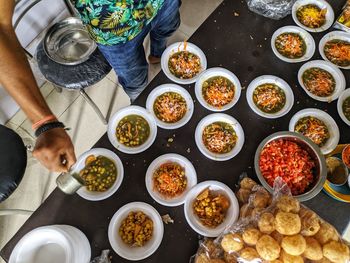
<point>129,60</point>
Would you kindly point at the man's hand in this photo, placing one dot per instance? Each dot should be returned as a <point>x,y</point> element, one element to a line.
<point>54,150</point>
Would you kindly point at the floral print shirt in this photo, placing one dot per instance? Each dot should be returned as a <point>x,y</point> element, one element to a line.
<point>112,22</point>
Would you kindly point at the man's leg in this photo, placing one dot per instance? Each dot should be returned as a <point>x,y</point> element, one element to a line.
<point>163,26</point>
<point>129,62</point>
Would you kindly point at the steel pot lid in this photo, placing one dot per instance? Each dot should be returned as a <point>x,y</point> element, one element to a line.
<point>68,42</point>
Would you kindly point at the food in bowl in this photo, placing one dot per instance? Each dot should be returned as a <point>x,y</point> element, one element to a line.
<point>337,51</point>
<point>218,91</point>
<point>136,229</point>
<point>269,98</point>
<point>319,82</point>
<point>132,130</point>
<point>99,173</point>
<point>346,155</point>
<point>313,128</point>
<point>288,160</point>
<point>219,137</point>
<point>346,108</point>
<point>211,207</point>
<point>311,15</point>
<point>170,107</point>
<point>184,64</point>
<point>290,45</point>
<point>337,172</point>
<point>170,180</point>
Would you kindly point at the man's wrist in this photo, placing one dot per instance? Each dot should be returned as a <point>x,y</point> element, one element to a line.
<point>44,120</point>
<point>48,126</point>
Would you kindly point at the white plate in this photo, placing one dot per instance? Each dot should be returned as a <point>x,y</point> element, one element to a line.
<point>192,218</point>
<point>135,253</point>
<point>190,173</point>
<point>177,47</point>
<point>222,118</point>
<point>309,41</point>
<point>216,72</point>
<point>330,36</point>
<point>131,110</point>
<point>321,4</point>
<point>345,94</point>
<point>338,76</point>
<point>327,119</point>
<point>80,164</point>
<point>273,80</point>
<point>43,245</point>
<point>170,88</point>
<point>82,249</point>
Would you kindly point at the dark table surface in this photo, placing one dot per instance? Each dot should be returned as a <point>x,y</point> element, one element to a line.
<point>242,45</point>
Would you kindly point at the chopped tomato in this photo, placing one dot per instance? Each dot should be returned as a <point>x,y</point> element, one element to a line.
<point>286,159</point>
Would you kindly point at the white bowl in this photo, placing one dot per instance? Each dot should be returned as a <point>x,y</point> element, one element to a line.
<point>221,117</point>
<point>332,126</point>
<point>345,94</point>
<point>177,47</point>
<point>170,88</point>
<point>330,36</point>
<point>129,252</point>
<point>338,76</point>
<point>131,110</point>
<point>192,218</point>
<point>321,4</point>
<point>80,164</point>
<point>190,173</point>
<point>309,41</point>
<point>273,80</point>
<point>42,245</point>
<point>82,249</point>
<point>215,72</point>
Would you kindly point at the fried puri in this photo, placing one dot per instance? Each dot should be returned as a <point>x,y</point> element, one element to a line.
<point>247,183</point>
<point>251,236</point>
<point>287,203</point>
<point>310,223</point>
<point>248,254</point>
<point>313,250</point>
<point>268,248</point>
<point>261,199</point>
<point>266,223</point>
<point>287,223</point>
<point>294,245</point>
<point>326,233</point>
<point>243,195</point>
<point>232,243</point>
<point>336,252</point>
<point>245,211</point>
<point>286,258</point>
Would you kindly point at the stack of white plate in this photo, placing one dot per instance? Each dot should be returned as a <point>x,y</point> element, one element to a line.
<point>54,244</point>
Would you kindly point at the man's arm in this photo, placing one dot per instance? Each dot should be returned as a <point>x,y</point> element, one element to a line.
<point>53,146</point>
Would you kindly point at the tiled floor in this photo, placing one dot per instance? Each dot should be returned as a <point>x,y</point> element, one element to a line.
<point>79,116</point>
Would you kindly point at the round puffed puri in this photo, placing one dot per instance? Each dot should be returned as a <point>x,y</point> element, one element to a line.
<point>251,236</point>
<point>287,223</point>
<point>261,199</point>
<point>286,258</point>
<point>230,257</point>
<point>245,211</point>
<point>326,233</point>
<point>248,254</point>
<point>313,250</point>
<point>287,203</point>
<point>232,242</point>
<point>266,223</point>
<point>247,183</point>
<point>202,258</point>
<point>243,195</point>
<point>310,222</point>
<point>336,252</point>
<point>294,245</point>
<point>268,248</point>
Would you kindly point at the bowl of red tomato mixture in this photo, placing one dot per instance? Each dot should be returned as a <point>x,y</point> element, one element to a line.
<point>294,158</point>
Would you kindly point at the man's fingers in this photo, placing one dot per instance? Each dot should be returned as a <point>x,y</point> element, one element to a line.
<point>70,157</point>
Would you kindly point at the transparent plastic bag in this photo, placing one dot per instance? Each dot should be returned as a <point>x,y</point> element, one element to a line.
<point>274,228</point>
<point>275,9</point>
<point>103,258</point>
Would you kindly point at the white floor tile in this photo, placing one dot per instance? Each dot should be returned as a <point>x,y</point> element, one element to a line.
<point>194,13</point>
